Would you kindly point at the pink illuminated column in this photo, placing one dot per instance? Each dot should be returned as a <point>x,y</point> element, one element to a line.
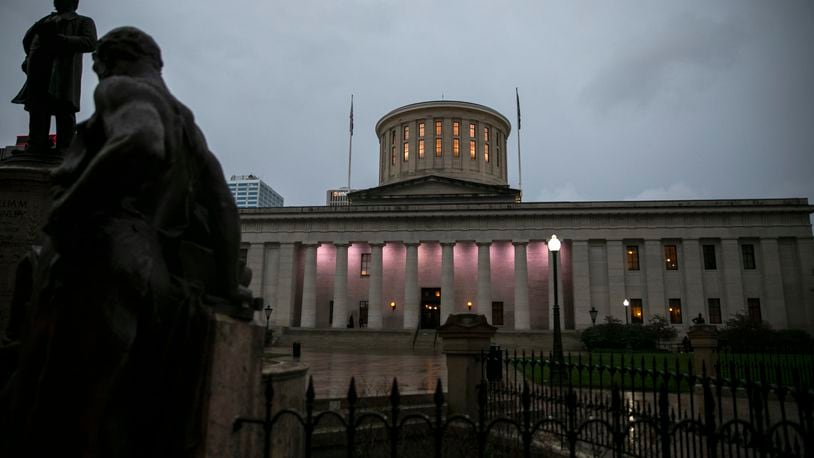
<point>309,287</point>
<point>341,286</point>
<point>521,286</point>
<point>447,280</point>
<point>411,291</point>
<point>374,317</point>
<point>484,301</point>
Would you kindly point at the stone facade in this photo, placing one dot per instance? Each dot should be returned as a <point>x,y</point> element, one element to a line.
<point>437,226</point>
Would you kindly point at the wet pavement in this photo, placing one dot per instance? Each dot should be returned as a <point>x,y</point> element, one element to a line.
<point>373,372</point>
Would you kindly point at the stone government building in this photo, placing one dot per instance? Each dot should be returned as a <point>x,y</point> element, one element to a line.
<point>444,233</point>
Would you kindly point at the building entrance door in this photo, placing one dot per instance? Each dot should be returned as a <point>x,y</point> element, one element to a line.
<point>430,308</point>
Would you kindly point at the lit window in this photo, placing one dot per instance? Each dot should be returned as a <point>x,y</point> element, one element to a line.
<point>486,152</point>
<point>421,129</point>
<point>456,128</point>
<point>472,130</point>
<point>748,252</point>
<point>437,147</point>
<point>632,254</point>
<point>486,134</point>
<point>406,151</point>
<point>636,311</point>
<point>437,128</point>
<point>405,133</point>
<point>670,257</point>
<point>709,257</point>
<point>497,313</point>
<point>675,311</point>
<point>365,271</point>
<point>421,149</point>
<point>456,147</point>
<point>753,306</point>
<point>714,310</point>
<point>472,150</point>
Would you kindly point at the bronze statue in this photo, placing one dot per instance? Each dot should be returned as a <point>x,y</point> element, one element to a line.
<point>53,64</point>
<point>143,238</point>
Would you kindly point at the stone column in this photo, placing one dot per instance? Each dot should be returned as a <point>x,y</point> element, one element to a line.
<point>412,295</point>
<point>704,342</point>
<point>773,284</point>
<point>654,269</point>
<point>521,286</point>
<point>582,284</point>
<point>483,305</point>
<point>286,285</point>
<point>254,261</point>
<point>733,279</point>
<point>805,255</point>
<point>616,280</point>
<point>374,310</point>
<point>309,287</point>
<point>447,280</point>
<point>693,280</point>
<point>271,281</point>
<point>464,337</point>
<point>340,315</point>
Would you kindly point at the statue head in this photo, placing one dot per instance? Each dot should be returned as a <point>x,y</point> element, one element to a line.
<point>64,6</point>
<point>125,49</point>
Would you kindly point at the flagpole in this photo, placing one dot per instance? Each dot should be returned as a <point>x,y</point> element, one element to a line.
<point>519,164</point>
<point>350,141</point>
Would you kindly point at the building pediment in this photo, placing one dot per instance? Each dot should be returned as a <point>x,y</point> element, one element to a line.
<point>431,189</point>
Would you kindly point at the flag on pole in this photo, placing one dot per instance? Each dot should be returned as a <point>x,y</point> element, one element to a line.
<point>351,115</point>
<point>516,93</point>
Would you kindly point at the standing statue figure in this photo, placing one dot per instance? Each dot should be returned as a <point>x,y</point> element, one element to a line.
<point>53,65</point>
<point>142,243</point>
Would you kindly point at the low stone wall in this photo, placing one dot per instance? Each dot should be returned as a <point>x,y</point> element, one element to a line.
<point>401,340</point>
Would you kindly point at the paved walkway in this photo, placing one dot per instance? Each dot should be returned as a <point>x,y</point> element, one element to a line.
<point>373,372</point>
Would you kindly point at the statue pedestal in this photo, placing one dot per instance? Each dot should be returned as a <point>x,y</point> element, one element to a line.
<point>465,338</point>
<point>235,387</point>
<point>24,204</point>
<point>704,341</point>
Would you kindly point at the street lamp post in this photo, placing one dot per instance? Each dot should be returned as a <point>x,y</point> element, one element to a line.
<point>593,312</point>
<point>268,310</point>
<point>626,303</point>
<point>554,247</point>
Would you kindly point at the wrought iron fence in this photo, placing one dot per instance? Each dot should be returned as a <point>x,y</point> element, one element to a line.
<point>532,406</point>
<point>645,407</point>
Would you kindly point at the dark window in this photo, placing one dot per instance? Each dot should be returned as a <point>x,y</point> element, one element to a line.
<point>331,314</point>
<point>632,257</point>
<point>670,257</point>
<point>709,257</point>
<point>714,306</point>
<point>497,313</point>
<point>675,311</point>
<point>365,271</point>
<point>748,252</point>
<point>753,305</point>
<point>362,314</point>
<point>636,311</point>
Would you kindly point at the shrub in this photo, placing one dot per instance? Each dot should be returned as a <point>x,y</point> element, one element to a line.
<point>613,335</point>
<point>742,334</point>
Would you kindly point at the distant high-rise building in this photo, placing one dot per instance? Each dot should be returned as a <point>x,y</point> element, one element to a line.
<point>251,192</point>
<point>337,197</point>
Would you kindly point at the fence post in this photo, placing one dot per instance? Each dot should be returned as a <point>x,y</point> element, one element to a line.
<point>465,337</point>
<point>704,341</point>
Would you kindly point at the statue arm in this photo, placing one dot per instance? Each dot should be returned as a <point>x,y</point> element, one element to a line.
<point>84,40</point>
<point>133,151</point>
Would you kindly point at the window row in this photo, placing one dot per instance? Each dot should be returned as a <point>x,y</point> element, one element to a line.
<point>674,310</point>
<point>438,144</point>
<point>709,257</point>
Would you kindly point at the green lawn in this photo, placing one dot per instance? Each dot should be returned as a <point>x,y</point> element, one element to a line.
<point>636,370</point>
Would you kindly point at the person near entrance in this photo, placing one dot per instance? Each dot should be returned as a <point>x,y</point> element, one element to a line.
<point>53,66</point>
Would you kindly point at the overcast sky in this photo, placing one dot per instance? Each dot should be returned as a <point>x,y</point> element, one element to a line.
<point>620,99</point>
